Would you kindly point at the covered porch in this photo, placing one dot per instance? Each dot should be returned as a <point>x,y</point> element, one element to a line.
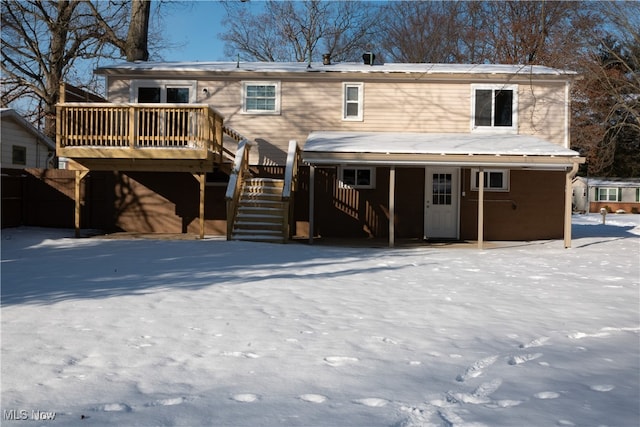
<point>442,156</point>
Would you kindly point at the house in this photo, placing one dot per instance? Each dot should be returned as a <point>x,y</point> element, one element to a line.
<point>23,146</point>
<point>397,151</point>
<point>613,194</point>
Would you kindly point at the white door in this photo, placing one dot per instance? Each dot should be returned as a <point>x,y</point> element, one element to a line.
<point>441,203</point>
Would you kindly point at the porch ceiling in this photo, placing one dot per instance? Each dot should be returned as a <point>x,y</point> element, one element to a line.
<point>421,149</point>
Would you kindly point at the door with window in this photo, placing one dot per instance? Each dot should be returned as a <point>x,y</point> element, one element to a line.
<point>441,203</point>
<point>164,126</point>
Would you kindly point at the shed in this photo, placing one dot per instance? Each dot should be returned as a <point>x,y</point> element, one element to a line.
<point>23,146</point>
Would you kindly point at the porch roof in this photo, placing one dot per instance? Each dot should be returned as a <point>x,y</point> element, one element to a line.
<point>420,149</point>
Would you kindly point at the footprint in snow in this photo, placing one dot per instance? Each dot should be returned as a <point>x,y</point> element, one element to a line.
<point>313,398</point>
<point>339,360</point>
<point>372,402</point>
<point>602,387</point>
<point>239,354</point>
<point>547,395</point>
<point>116,407</point>
<point>523,358</point>
<point>245,397</point>
<point>168,402</point>
<point>477,368</point>
<point>538,342</point>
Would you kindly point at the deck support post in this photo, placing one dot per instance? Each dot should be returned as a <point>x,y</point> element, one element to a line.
<point>201,178</point>
<point>312,186</point>
<point>80,174</point>
<point>481,208</point>
<point>568,191</point>
<point>392,208</point>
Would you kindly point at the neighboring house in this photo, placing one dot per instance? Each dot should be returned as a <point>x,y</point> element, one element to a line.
<point>415,151</point>
<point>613,194</point>
<point>23,146</point>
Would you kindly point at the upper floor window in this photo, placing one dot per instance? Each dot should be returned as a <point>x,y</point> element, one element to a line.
<point>163,91</point>
<point>18,155</point>
<point>608,194</point>
<point>261,97</point>
<point>352,105</point>
<point>494,179</point>
<point>495,107</point>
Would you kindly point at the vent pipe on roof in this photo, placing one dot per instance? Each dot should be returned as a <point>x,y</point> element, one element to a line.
<point>368,58</point>
<point>326,59</point>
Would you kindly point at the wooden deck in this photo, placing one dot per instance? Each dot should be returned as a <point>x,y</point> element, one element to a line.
<point>141,137</point>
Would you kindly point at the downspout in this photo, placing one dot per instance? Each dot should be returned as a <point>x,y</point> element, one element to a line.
<point>567,204</point>
<point>567,113</point>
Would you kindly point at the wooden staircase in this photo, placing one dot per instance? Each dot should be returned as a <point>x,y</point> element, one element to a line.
<point>260,213</point>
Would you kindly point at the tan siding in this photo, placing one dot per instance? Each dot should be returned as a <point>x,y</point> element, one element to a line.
<point>390,105</point>
<point>541,111</point>
<point>14,134</point>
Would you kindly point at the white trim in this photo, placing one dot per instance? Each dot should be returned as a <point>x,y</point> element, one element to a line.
<point>192,85</point>
<point>360,102</point>
<point>372,177</point>
<point>505,180</point>
<point>514,108</point>
<point>275,83</point>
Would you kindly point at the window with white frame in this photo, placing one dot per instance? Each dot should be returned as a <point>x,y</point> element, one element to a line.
<point>494,108</point>
<point>494,179</point>
<point>352,105</point>
<point>605,194</point>
<point>357,177</point>
<point>261,97</point>
<point>163,91</point>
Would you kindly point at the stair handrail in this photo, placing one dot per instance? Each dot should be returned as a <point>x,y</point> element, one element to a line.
<point>290,186</point>
<point>236,179</point>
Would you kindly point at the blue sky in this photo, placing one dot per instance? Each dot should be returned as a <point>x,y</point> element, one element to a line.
<point>194,26</point>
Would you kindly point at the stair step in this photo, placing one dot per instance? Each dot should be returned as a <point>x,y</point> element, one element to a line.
<point>245,225</point>
<point>256,217</point>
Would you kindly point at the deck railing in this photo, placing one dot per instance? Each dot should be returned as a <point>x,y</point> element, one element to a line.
<point>290,186</point>
<point>137,126</point>
<point>236,179</point>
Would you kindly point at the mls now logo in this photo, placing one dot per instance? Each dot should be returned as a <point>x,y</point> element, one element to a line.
<point>23,415</point>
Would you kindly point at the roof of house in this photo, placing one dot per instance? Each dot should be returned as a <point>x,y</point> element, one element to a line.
<point>462,149</point>
<point>610,182</point>
<point>9,113</point>
<point>341,67</point>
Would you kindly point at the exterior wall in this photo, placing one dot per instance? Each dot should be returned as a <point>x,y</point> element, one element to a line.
<point>613,207</point>
<point>143,202</point>
<point>13,133</point>
<point>533,208</point>
<point>391,104</point>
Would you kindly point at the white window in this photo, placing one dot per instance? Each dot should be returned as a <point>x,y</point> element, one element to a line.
<point>357,177</point>
<point>494,179</point>
<point>352,105</point>
<point>163,91</point>
<point>261,97</point>
<point>494,108</point>
<point>608,194</point>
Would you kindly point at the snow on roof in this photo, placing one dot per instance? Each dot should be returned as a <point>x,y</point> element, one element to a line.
<point>433,143</point>
<point>611,182</point>
<point>343,67</point>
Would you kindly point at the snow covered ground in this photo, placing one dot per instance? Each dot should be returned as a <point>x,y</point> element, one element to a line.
<point>99,332</point>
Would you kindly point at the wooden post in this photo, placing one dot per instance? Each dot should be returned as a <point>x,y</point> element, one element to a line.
<point>80,174</point>
<point>392,208</point>
<point>312,173</point>
<point>132,127</point>
<point>201,178</point>
<point>480,208</point>
<point>568,191</point>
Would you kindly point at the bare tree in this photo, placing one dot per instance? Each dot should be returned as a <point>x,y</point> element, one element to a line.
<point>607,101</point>
<point>42,41</point>
<point>415,31</point>
<point>298,31</point>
